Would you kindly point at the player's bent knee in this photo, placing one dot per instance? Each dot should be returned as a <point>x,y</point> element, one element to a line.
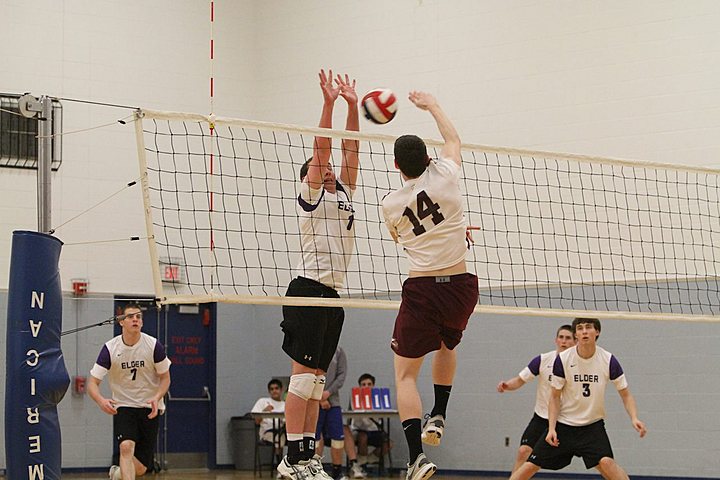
<point>337,444</point>
<point>127,448</point>
<point>526,470</point>
<point>524,452</point>
<point>319,387</point>
<point>302,385</point>
<point>608,467</point>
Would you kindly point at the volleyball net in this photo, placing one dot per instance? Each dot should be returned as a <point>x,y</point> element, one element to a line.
<point>559,234</point>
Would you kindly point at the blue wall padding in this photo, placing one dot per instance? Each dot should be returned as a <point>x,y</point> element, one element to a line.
<point>36,378</point>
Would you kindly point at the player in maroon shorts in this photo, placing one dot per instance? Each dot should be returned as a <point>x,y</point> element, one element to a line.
<point>426,217</point>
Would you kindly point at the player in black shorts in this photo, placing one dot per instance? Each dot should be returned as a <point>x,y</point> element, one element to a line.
<point>138,371</point>
<point>541,367</point>
<point>327,235</point>
<point>576,427</point>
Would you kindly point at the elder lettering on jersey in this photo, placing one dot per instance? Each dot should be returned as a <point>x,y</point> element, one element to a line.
<point>133,364</point>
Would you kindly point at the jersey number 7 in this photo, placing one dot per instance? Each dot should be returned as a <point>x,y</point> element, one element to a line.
<point>425,208</point>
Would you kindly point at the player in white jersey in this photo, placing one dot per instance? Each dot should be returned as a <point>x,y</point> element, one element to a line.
<point>138,372</point>
<point>576,411</point>
<point>327,235</point>
<point>541,367</point>
<point>426,217</point>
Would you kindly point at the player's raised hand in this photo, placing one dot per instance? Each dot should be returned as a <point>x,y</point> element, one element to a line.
<point>330,92</point>
<point>347,89</point>
<point>422,100</point>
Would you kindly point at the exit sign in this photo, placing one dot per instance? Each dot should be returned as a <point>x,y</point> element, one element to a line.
<point>171,271</point>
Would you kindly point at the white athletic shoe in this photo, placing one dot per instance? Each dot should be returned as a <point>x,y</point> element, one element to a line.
<point>433,430</point>
<point>114,473</point>
<point>421,469</point>
<point>316,468</point>
<point>301,471</point>
<point>356,471</point>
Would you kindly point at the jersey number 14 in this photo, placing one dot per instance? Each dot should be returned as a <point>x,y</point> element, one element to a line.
<point>425,208</point>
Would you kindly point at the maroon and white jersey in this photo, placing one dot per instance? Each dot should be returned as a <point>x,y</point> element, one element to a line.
<point>132,370</point>
<point>427,217</point>
<point>541,367</point>
<point>327,234</point>
<point>583,382</point>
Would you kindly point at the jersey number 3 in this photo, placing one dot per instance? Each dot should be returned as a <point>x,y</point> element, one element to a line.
<point>425,208</point>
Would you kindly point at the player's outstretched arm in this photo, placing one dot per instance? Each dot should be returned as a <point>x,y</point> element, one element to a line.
<point>451,149</point>
<point>510,385</point>
<point>631,409</point>
<point>323,145</point>
<point>350,148</point>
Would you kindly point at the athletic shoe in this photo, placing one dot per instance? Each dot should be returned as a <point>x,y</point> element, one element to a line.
<point>114,473</point>
<point>421,469</point>
<point>356,471</point>
<point>316,468</point>
<point>301,471</point>
<point>373,458</point>
<point>433,430</point>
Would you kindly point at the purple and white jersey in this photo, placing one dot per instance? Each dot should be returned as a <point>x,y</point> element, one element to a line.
<point>427,217</point>
<point>327,233</point>
<point>583,382</point>
<point>133,370</point>
<point>541,367</point>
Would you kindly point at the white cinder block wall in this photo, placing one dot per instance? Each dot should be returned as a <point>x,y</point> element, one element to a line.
<point>623,79</point>
<point>149,54</point>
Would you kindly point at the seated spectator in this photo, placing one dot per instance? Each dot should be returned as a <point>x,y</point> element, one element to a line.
<point>369,431</point>
<point>271,429</point>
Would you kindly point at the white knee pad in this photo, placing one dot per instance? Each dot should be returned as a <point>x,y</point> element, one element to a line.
<point>319,387</point>
<point>302,385</point>
<point>337,444</point>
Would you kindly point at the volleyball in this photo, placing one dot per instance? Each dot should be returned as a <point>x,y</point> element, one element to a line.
<point>379,105</point>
